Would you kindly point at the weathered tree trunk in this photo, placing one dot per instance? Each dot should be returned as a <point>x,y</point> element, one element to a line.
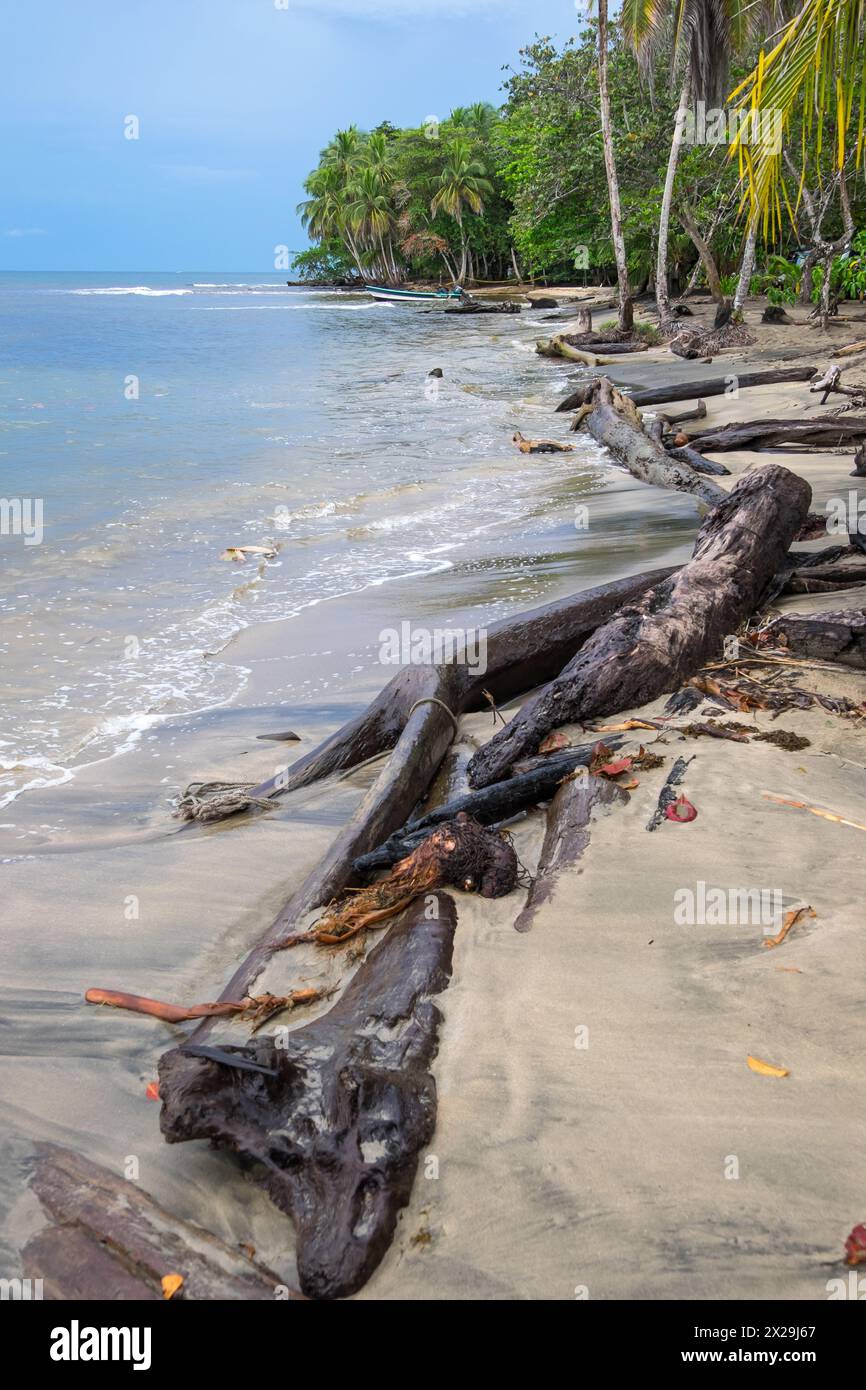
<point>342,1109</point>
<point>691,390</point>
<point>109,1240</point>
<point>708,260</point>
<point>663,297</point>
<point>766,434</point>
<point>823,636</point>
<point>655,644</point>
<point>747,265</point>
<point>625,305</point>
<point>614,422</point>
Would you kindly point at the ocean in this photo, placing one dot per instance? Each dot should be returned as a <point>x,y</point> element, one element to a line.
<point>149,422</point>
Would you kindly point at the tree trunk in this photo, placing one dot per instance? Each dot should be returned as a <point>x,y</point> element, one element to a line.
<point>747,266</point>
<point>708,260</point>
<point>656,643</point>
<point>663,299</point>
<point>610,171</point>
<point>693,390</point>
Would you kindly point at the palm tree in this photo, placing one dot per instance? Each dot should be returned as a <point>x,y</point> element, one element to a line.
<point>705,34</point>
<point>370,215</point>
<point>816,65</point>
<point>461,184</point>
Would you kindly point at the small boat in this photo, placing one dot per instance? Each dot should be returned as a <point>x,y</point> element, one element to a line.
<point>412,296</point>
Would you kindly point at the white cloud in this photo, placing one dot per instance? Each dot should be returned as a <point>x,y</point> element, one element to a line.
<point>25,231</point>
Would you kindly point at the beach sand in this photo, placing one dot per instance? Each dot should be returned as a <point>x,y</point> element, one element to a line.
<point>563,1170</point>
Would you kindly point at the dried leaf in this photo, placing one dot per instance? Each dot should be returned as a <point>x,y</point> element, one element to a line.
<point>553,743</point>
<point>680,810</point>
<point>152,1091</point>
<point>171,1284</point>
<point>791,918</point>
<point>766,1068</point>
<point>625,726</point>
<point>815,810</point>
<point>614,769</point>
<point>855,1246</point>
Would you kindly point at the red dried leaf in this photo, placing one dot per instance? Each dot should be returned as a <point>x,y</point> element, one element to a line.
<point>614,769</point>
<point>681,810</point>
<point>855,1246</point>
<point>553,743</point>
<point>152,1092</point>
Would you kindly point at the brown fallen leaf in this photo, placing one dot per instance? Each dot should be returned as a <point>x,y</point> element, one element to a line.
<point>790,920</point>
<point>553,743</point>
<point>766,1068</point>
<point>171,1284</point>
<point>624,726</point>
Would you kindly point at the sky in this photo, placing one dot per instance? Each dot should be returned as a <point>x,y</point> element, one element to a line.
<point>231,102</point>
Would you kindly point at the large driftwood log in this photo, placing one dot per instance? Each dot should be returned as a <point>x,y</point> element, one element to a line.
<point>109,1240</point>
<point>692,390</point>
<point>488,806</point>
<point>569,816</point>
<point>615,423</point>
<point>823,636</point>
<point>521,652</point>
<point>656,643</point>
<point>345,1104</point>
<point>766,434</point>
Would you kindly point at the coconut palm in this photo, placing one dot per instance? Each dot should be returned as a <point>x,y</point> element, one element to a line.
<point>625,305</point>
<point>370,215</point>
<point>816,65</point>
<point>462,184</point>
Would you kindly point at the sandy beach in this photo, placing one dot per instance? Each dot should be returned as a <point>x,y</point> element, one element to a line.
<point>599,1132</point>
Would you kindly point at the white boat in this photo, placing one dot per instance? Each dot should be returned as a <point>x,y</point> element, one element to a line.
<point>411,296</point>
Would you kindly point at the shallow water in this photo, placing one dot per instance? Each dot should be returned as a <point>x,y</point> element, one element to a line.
<point>159,419</point>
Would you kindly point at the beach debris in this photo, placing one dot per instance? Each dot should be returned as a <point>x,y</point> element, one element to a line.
<point>626,725</point>
<point>335,1135</point>
<point>693,390</point>
<point>828,637</point>
<point>669,633</point>
<point>645,760</point>
<point>436,371</point>
<point>569,820</point>
<point>766,1068</point>
<point>151,1090</point>
<point>855,1246</point>
<point>667,796</point>
<point>287,737</point>
<point>205,801</point>
<point>783,738</point>
<point>241,552</point>
<point>790,920</point>
<point>254,1007</point>
<point>686,700</point>
<point>554,743</point>
<point>815,810</point>
<point>681,810</point>
<point>107,1239</point>
<point>712,729</point>
<point>233,1059</point>
<point>460,854</point>
<point>540,446</point>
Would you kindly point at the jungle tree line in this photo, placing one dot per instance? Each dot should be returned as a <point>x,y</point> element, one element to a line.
<point>595,162</point>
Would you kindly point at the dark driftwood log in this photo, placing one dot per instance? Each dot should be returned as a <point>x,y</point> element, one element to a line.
<point>110,1240</point>
<point>859,469</point>
<point>655,644</point>
<point>691,390</point>
<point>823,579</point>
<point>614,422</point>
<point>765,434</point>
<point>668,795</point>
<point>488,806</point>
<point>522,652</point>
<point>338,1130</point>
<point>685,454</point>
<point>568,829</point>
<point>823,636</point>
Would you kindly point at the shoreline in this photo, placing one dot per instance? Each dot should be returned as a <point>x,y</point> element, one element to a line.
<point>560,1144</point>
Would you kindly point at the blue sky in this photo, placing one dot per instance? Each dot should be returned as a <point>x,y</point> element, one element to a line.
<point>234,99</point>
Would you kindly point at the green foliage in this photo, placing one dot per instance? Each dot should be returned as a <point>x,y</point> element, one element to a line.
<point>326,263</point>
<point>849,275</point>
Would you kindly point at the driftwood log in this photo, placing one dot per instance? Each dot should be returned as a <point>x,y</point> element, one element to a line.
<point>488,806</point>
<point>766,434</point>
<point>684,453</point>
<point>569,817</point>
<point>692,390</point>
<point>837,637</point>
<point>336,1120</point>
<point>653,645</point>
<point>522,651</point>
<point>109,1240</point>
<point>615,423</point>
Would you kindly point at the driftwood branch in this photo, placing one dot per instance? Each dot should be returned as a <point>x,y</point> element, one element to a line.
<point>692,390</point>
<point>655,644</point>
